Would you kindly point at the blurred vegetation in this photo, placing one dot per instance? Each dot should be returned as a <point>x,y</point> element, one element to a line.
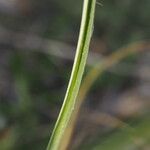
<point>34,37</point>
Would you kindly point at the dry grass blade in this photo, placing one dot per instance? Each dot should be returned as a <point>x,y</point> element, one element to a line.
<point>95,73</point>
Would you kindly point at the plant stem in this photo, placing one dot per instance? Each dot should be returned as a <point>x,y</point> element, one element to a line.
<point>86,30</point>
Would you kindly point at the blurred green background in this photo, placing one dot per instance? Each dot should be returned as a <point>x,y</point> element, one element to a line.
<point>37,46</point>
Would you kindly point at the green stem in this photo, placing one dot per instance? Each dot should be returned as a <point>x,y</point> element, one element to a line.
<point>86,30</point>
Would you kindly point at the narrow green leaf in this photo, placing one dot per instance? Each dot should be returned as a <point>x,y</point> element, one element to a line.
<point>86,30</point>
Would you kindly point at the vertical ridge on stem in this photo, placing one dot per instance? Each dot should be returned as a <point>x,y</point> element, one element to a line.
<point>86,30</point>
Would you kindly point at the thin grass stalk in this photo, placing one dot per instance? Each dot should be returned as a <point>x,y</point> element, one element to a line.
<point>86,30</point>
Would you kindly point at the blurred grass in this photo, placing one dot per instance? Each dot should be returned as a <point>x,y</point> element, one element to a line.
<point>95,73</point>
<point>8,139</point>
<point>124,138</point>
